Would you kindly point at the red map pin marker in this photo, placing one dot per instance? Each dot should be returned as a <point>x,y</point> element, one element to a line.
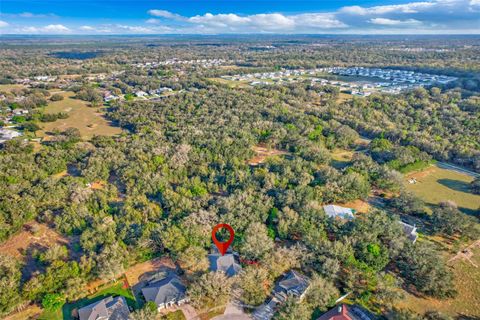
<point>222,246</point>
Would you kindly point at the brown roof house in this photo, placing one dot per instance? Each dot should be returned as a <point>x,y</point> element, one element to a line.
<point>346,312</point>
<point>166,292</point>
<point>109,308</point>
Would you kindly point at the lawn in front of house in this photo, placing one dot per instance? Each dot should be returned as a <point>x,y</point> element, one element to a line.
<point>67,311</point>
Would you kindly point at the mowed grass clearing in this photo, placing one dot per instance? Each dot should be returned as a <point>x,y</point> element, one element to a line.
<point>435,184</point>
<point>89,121</point>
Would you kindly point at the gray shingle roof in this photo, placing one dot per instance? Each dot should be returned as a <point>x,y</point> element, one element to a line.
<point>224,263</point>
<point>334,211</point>
<point>292,283</point>
<point>106,309</point>
<point>169,289</point>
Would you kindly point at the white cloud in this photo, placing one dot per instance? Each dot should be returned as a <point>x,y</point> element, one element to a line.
<point>50,29</point>
<point>28,15</point>
<point>153,21</point>
<point>164,14</point>
<point>3,24</point>
<point>412,7</point>
<point>393,22</point>
<point>87,28</point>
<point>263,22</point>
<point>55,28</point>
<point>319,20</point>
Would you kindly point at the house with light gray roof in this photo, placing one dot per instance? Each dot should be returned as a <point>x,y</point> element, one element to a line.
<point>110,308</point>
<point>334,211</point>
<point>410,231</point>
<point>166,292</point>
<point>225,263</point>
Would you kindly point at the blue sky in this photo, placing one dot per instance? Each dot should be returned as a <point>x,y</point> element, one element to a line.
<point>235,16</point>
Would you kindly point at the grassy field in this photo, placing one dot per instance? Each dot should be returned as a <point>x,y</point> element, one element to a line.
<point>435,184</point>
<point>341,158</point>
<point>89,121</point>
<point>9,87</point>
<point>67,311</point>
<point>231,83</point>
<point>175,315</point>
<point>467,284</point>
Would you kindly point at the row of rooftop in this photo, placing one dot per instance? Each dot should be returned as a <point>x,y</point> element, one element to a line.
<point>167,289</point>
<point>196,62</point>
<point>388,80</point>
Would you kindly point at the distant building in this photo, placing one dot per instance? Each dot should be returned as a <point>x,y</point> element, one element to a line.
<point>410,231</point>
<point>225,263</point>
<point>106,309</point>
<point>334,211</point>
<point>141,94</point>
<point>166,292</point>
<point>8,134</point>
<point>346,312</point>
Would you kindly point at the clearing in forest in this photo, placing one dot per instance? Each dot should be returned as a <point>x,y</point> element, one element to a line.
<point>435,184</point>
<point>10,87</point>
<point>90,121</point>
<point>467,284</point>
<point>262,153</point>
<point>34,236</point>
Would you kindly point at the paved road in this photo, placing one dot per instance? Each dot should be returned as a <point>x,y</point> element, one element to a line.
<point>453,167</point>
<point>233,312</point>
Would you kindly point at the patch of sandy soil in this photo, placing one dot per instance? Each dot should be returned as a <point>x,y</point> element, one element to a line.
<point>262,153</point>
<point>135,274</point>
<point>33,234</point>
<point>421,174</point>
<point>358,205</point>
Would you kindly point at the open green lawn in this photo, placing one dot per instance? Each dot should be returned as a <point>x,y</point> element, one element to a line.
<point>436,184</point>
<point>88,120</point>
<point>115,289</point>
<point>341,158</point>
<point>231,83</point>
<point>175,315</point>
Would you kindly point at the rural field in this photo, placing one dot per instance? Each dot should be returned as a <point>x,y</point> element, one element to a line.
<point>10,87</point>
<point>436,184</point>
<point>88,120</point>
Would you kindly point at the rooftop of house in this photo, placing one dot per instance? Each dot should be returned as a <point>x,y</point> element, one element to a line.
<point>225,263</point>
<point>293,283</point>
<point>165,290</point>
<point>334,211</point>
<point>410,231</point>
<point>109,308</point>
<point>345,312</point>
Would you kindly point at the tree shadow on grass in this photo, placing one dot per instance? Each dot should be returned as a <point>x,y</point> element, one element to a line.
<point>456,185</point>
